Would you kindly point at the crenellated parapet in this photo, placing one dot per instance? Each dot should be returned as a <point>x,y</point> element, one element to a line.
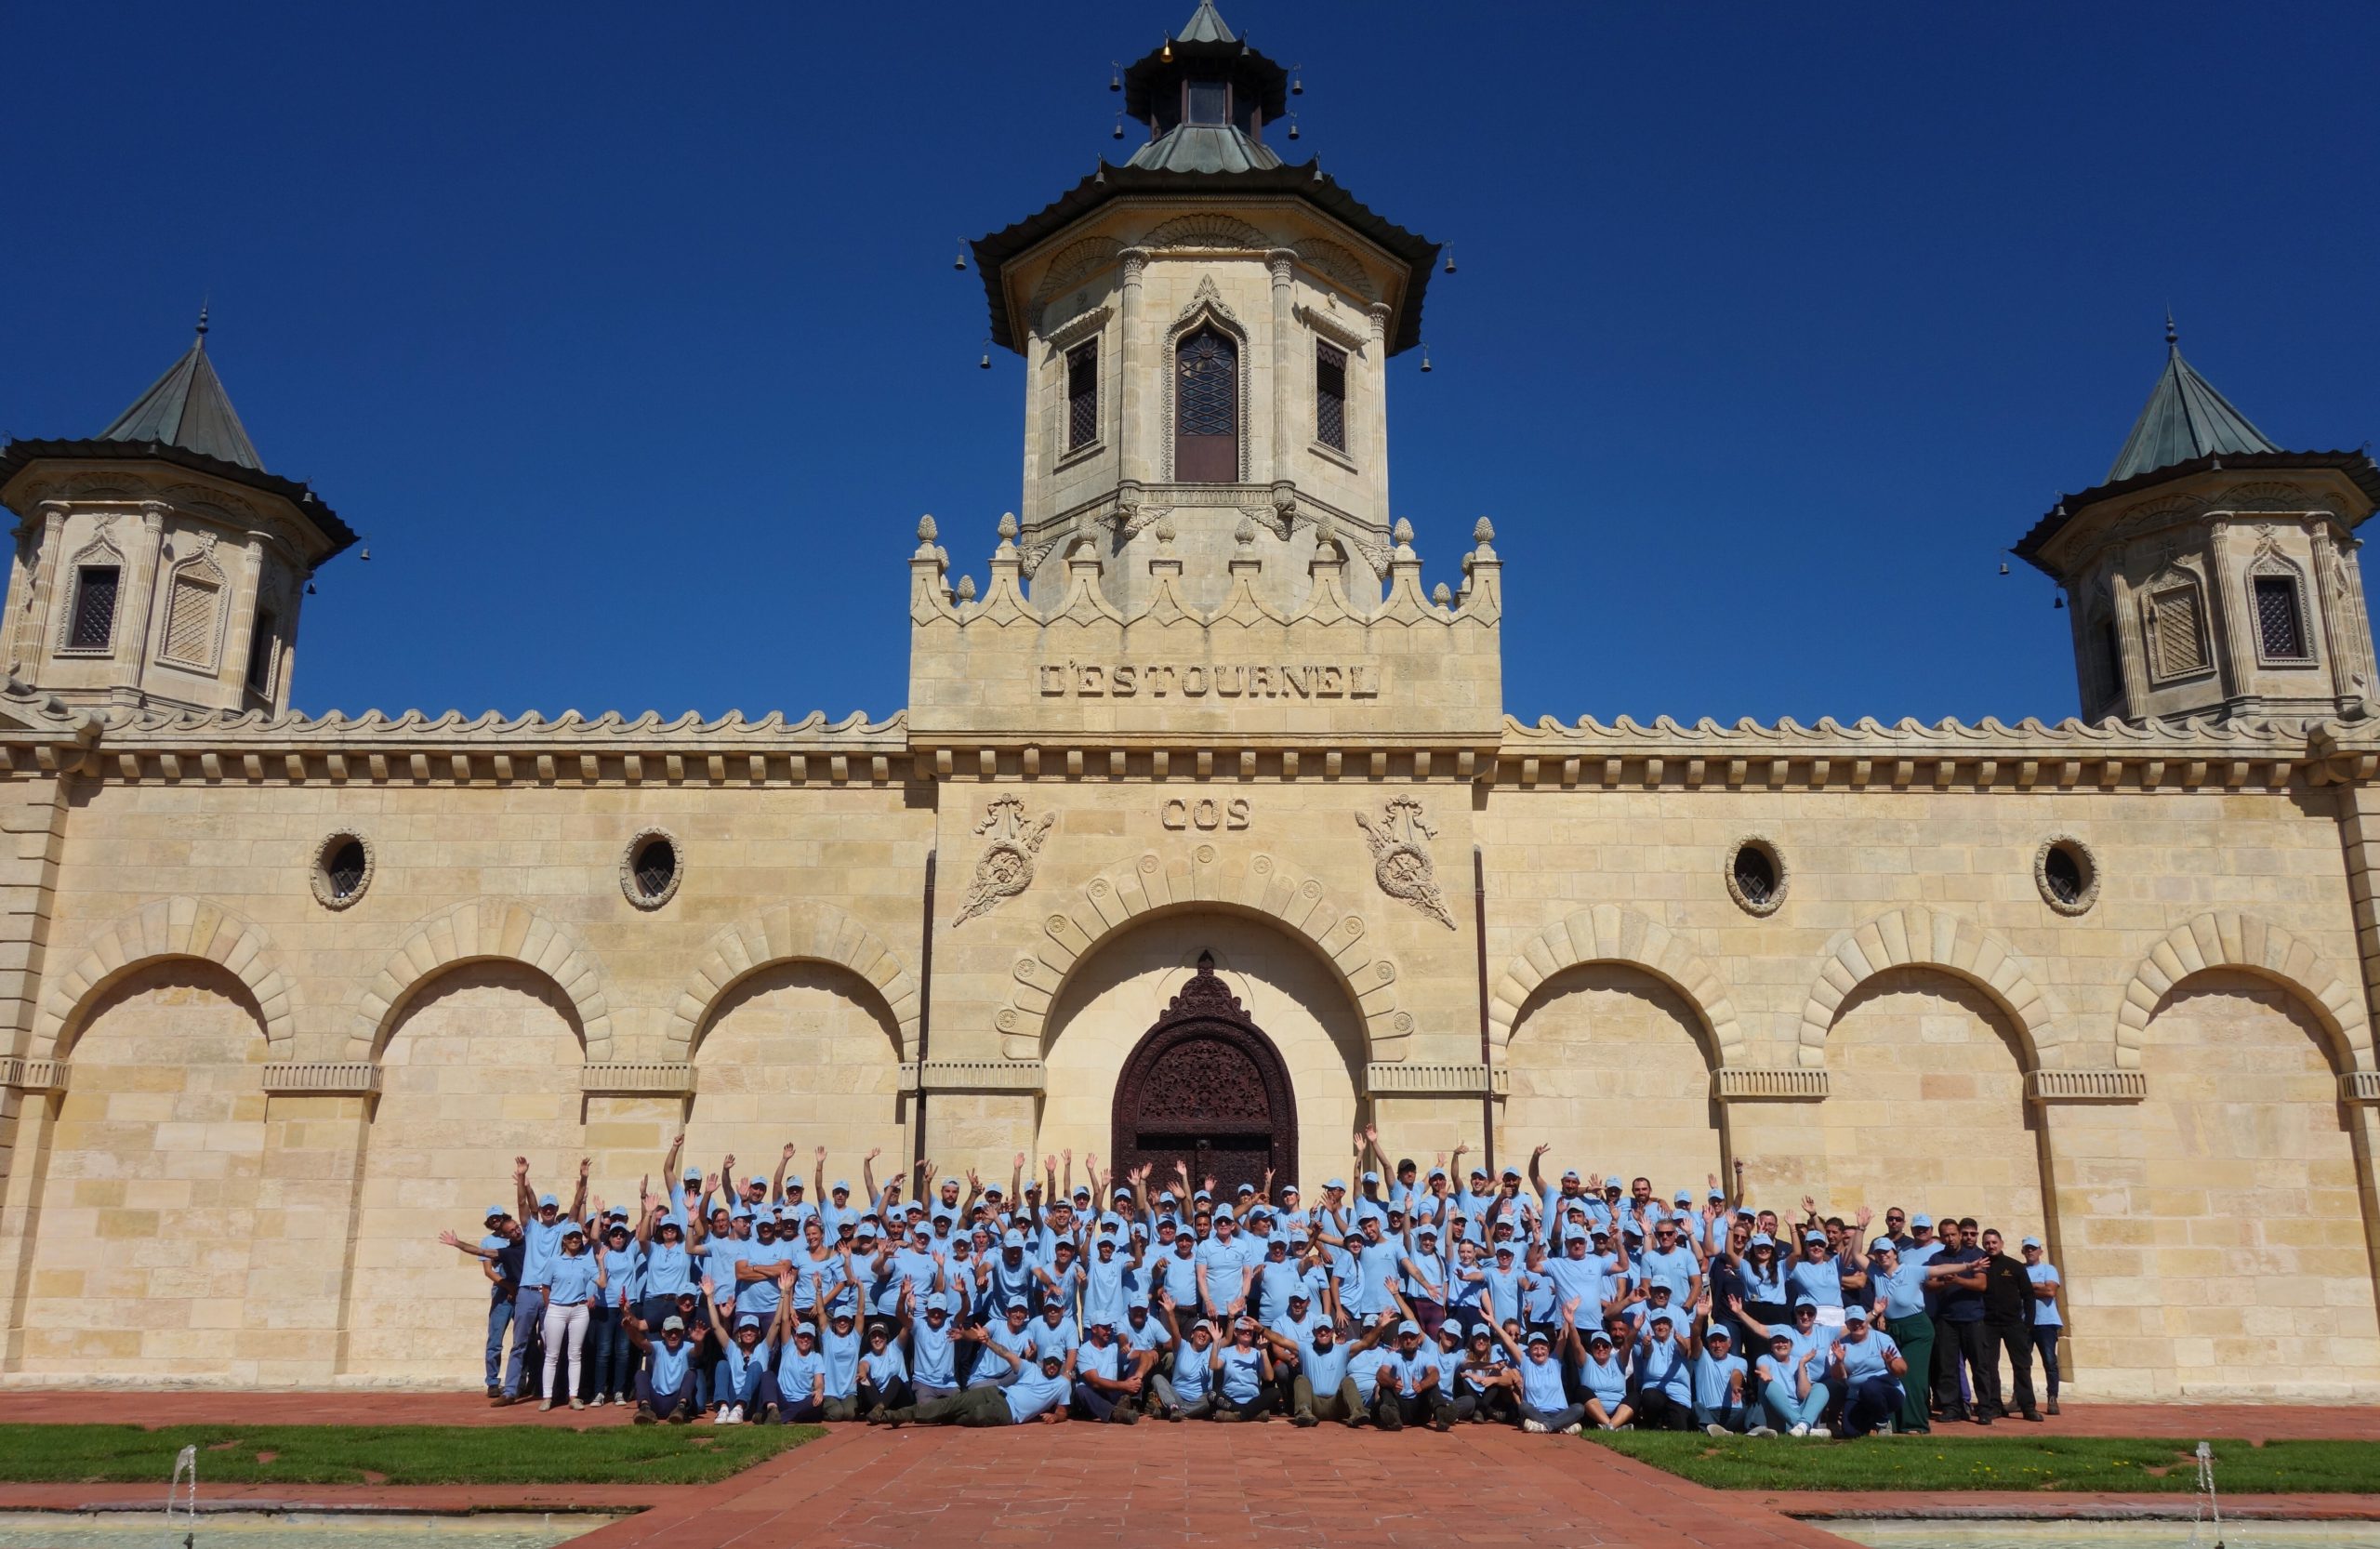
<point>1008,669</point>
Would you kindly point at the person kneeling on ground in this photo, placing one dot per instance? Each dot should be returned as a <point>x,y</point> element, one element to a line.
<point>1323,1388</point>
<point>665,1389</point>
<point>1035,1395</point>
<point>1101,1392</point>
<point>1870,1367</point>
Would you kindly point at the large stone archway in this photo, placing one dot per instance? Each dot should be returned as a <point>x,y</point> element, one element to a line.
<point>1278,986</point>
<point>1206,1093</point>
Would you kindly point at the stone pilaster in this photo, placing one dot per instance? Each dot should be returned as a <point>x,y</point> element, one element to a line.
<point>1281,261</point>
<point>1131,435</point>
<point>302,1259</point>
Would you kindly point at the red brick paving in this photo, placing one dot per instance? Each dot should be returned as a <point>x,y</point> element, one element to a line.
<point>1188,1485</point>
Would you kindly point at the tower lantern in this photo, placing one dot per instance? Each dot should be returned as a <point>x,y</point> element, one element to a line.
<point>1206,330</point>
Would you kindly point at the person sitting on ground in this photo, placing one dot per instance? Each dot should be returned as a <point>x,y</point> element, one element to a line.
<point>743,1385</point>
<point>665,1389</point>
<point>1602,1370</point>
<point>1535,1378</point>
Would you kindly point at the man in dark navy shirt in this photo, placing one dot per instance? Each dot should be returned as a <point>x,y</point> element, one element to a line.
<point>1959,1272</point>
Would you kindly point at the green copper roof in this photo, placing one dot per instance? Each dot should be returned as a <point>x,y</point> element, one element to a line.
<point>2184,418</point>
<point>187,407</point>
<point>1204,148</point>
<point>1205,25</point>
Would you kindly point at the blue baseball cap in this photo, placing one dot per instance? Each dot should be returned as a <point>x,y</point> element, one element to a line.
<point>1337,1183</point>
<point>1684,1197</point>
<point>1883,1245</point>
<point>492,1211</point>
<point>1922,1223</point>
<point>1408,1327</point>
<point>2030,1242</point>
<point>1371,1177</point>
<point>546,1200</point>
<point>1013,1240</point>
<point>1855,1313</point>
<point>841,1186</point>
<point>1811,1237</point>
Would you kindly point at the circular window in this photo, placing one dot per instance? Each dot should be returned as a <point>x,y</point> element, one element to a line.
<point>649,868</point>
<point>342,870</point>
<point>1757,876</point>
<point>2065,873</point>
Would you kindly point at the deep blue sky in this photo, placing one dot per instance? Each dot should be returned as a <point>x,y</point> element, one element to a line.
<point>628,334</point>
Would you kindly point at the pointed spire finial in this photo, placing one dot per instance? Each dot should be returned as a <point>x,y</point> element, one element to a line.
<point>2172,338</point>
<point>202,321</point>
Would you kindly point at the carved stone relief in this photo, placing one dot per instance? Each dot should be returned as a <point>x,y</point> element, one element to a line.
<point>1005,869</point>
<point>1401,861</point>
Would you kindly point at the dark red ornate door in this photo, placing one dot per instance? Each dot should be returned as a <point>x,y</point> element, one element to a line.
<point>1207,1089</point>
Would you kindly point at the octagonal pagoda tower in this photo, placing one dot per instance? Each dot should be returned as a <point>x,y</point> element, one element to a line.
<point>1206,330</point>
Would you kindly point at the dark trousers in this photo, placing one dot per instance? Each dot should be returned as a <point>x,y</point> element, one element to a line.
<point>1968,1343</point>
<point>891,1396</point>
<point>2045,1340</point>
<point>1494,1404</point>
<point>662,1404</point>
<point>974,1406</point>
<point>1656,1410</point>
<point>615,1354</point>
<point>2016,1340</point>
<point>1267,1400</point>
<point>1871,1402</point>
<point>1392,1410</point>
<point>1915,1334</point>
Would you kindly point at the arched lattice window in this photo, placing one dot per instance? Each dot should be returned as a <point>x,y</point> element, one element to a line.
<point>1206,408</point>
<point>2281,617</point>
<point>2102,663</point>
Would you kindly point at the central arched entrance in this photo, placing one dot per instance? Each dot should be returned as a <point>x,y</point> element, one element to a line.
<point>1207,1089</point>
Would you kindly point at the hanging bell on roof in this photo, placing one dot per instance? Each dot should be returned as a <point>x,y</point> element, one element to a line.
<point>2058,603</point>
<point>1293,125</point>
<point>1425,358</point>
<point>2003,567</point>
<point>1115,81</point>
<point>1297,81</point>
<point>960,261</point>
<point>1119,127</point>
<point>1449,259</point>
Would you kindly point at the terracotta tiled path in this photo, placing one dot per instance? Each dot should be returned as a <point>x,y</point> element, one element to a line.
<point>1190,1485</point>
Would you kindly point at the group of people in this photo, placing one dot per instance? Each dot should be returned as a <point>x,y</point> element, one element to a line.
<point>1414,1298</point>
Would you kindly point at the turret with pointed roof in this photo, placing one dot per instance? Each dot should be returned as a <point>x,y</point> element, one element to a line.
<point>158,561</point>
<point>2208,573</point>
<point>1208,328</point>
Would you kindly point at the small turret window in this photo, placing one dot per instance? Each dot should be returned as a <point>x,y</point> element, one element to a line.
<point>189,622</point>
<point>2102,666</point>
<point>92,627</point>
<point>1331,396</point>
<point>2280,625</point>
<point>260,652</point>
<point>1207,102</point>
<point>1082,395</point>
<point>2180,645</point>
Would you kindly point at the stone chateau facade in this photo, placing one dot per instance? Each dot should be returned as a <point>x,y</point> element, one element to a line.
<point>282,995</point>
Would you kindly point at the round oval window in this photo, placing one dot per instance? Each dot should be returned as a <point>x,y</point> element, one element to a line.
<point>2067,876</point>
<point>1755,875</point>
<point>649,871</point>
<point>342,870</point>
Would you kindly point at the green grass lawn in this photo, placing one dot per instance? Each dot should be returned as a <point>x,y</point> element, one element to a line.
<point>392,1455</point>
<point>1921,1463</point>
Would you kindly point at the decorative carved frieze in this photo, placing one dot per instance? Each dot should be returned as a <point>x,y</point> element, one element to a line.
<point>2085,1086</point>
<point>323,1078</point>
<point>1738,1083</point>
<point>637,1078</point>
<point>972,1076</point>
<point>30,1075</point>
<point>1436,1081</point>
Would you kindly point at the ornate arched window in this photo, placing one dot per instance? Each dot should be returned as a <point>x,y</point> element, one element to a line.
<point>1206,407</point>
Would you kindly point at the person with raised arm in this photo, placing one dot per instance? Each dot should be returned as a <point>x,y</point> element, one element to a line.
<point>1542,1403</point>
<point>542,1225</point>
<point>1792,1375</point>
<point>1188,1392</point>
<point>744,1387</point>
<point>1322,1388</point>
<point>884,1366</point>
<point>665,1389</point>
<point>1034,1393</point>
<point>1600,1367</point>
<point>1870,1367</point>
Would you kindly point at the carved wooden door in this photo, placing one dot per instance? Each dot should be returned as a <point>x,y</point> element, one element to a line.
<point>1206,1089</point>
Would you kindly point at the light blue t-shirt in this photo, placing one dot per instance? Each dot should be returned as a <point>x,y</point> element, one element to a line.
<point>1674,1269</point>
<point>571,1279</point>
<point>1903,1289</point>
<point>669,1366</point>
<point>1094,1360</point>
<point>2045,1313</point>
<point>1661,1363</point>
<point>1324,1369</point>
<point>931,1347</point>
<point>1711,1375</point>
<point>1018,1341</point>
<point>798,1372</point>
<point>666,1269</point>
<point>841,1355</point>
<point>1863,1358</point>
<point>623,1275</point>
<point>1605,1380</point>
<point>1060,1341</point>
<point>1377,1271</point>
<point>541,1245</point>
<point>1821,1282</point>
<point>1032,1394</point>
<point>1191,1378</point>
<point>1541,1383</point>
<point>1241,1375</point>
<point>884,1367</point>
<point>1409,1371</point>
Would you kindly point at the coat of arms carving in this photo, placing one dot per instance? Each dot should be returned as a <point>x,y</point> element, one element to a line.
<point>1005,869</point>
<point>1401,861</point>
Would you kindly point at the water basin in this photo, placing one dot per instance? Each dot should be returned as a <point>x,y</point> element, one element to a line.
<point>287,1529</point>
<point>2069,1533</point>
